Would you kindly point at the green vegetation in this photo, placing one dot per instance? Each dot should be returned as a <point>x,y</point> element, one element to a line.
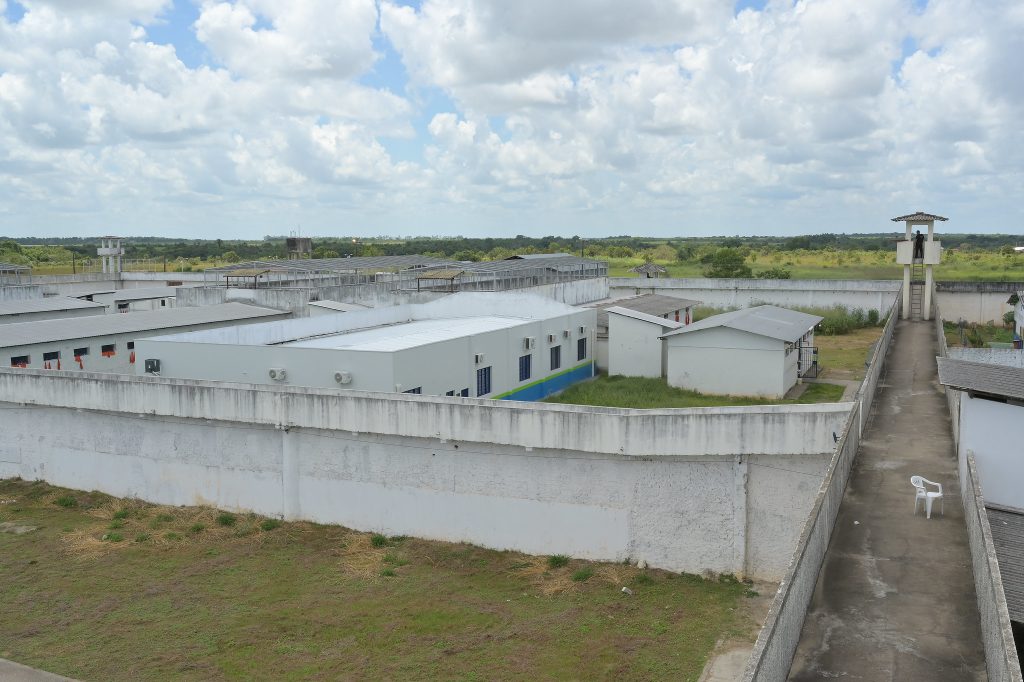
<point>319,602</point>
<point>269,524</point>
<point>557,561</point>
<point>649,393</point>
<point>976,335</point>
<point>66,501</point>
<point>728,262</point>
<point>583,574</point>
<point>226,519</point>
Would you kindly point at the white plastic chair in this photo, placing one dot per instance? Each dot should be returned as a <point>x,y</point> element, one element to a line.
<point>929,496</point>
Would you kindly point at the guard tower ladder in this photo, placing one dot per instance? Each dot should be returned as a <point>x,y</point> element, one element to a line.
<point>917,289</point>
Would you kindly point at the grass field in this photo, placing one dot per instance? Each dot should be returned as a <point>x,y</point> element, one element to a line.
<point>108,589</point>
<point>976,335</point>
<point>844,356</point>
<point>647,393</point>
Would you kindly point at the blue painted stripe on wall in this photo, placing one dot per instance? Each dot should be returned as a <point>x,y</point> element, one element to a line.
<point>553,385</point>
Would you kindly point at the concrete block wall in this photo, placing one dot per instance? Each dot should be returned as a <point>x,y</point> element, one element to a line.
<point>20,292</point>
<point>721,489</point>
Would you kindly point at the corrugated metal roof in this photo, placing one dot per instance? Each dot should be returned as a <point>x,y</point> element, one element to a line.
<point>143,293</point>
<point>336,264</point>
<point>535,256</point>
<point>920,215</point>
<point>982,377</point>
<point>651,304</point>
<point>636,315</point>
<point>765,320</point>
<point>45,305</point>
<point>539,261</point>
<point>46,331</point>
<point>393,337</point>
<point>1008,538</point>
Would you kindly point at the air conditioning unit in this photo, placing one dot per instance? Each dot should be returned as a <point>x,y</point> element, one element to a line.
<point>529,343</point>
<point>551,338</point>
<point>583,330</point>
<point>278,374</point>
<point>343,377</point>
<point>566,334</point>
<point>478,358</point>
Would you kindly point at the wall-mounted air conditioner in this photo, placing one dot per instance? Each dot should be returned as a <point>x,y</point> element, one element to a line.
<point>583,330</point>
<point>278,374</point>
<point>478,358</point>
<point>529,343</point>
<point>551,338</point>
<point>343,377</point>
<point>566,334</point>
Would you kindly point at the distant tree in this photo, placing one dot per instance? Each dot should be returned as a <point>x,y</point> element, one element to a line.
<point>775,273</point>
<point>684,252</point>
<point>794,243</point>
<point>728,262</point>
<point>230,257</point>
<point>10,246</point>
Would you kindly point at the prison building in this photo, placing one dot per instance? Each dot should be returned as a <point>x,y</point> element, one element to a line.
<point>669,308</point>
<point>759,351</point>
<point>135,300</point>
<point>481,345</point>
<point>106,343</point>
<point>35,309</point>
<point>636,347</point>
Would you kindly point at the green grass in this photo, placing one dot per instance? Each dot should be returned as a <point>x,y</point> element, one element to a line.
<point>289,605</point>
<point>648,393</point>
<point>976,335</point>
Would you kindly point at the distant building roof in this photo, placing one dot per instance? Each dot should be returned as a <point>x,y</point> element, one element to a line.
<point>764,320</point>
<point>411,334</point>
<point>982,377</point>
<point>650,304</point>
<point>643,317</point>
<point>920,215</point>
<point>532,256</point>
<point>143,293</point>
<point>46,331</point>
<point>649,268</point>
<point>13,267</point>
<point>350,264</point>
<point>45,305</point>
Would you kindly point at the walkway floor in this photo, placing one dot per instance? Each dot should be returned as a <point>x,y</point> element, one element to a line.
<point>15,672</point>
<point>895,598</point>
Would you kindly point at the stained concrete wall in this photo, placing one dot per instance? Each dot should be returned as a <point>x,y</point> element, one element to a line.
<point>720,489</point>
<point>743,293</point>
<point>20,292</point>
<point>975,301</point>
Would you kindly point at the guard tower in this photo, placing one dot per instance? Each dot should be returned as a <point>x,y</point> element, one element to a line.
<point>110,253</point>
<point>918,280</point>
<point>299,247</point>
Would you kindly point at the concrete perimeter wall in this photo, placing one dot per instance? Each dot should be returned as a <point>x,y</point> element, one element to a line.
<point>742,293</point>
<point>773,652</point>
<point>996,632</point>
<point>20,292</point>
<point>975,301</point>
<point>719,489</point>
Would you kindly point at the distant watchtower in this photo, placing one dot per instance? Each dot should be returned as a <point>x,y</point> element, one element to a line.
<point>918,279</point>
<point>110,253</point>
<point>299,247</point>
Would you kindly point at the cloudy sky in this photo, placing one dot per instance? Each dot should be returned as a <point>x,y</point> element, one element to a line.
<point>489,117</point>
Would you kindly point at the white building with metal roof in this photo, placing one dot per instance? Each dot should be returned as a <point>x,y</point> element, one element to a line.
<point>493,345</point>
<point>106,343</point>
<point>759,351</point>
<point>634,341</point>
<point>136,299</point>
<point>35,309</point>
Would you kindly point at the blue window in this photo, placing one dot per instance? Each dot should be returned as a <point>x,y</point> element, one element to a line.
<point>483,381</point>
<point>416,391</point>
<point>525,367</point>
<point>449,393</point>
<point>556,358</point>
<point>464,393</point>
<point>581,348</point>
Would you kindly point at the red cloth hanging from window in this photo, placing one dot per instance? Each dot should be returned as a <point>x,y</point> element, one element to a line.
<point>131,357</point>
<point>78,359</point>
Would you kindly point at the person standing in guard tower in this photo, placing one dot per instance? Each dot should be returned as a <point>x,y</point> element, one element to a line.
<point>919,245</point>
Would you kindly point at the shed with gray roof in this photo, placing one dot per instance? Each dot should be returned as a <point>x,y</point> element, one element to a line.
<point>35,309</point>
<point>759,351</point>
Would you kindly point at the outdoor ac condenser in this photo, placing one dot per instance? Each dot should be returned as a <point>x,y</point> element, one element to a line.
<point>278,374</point>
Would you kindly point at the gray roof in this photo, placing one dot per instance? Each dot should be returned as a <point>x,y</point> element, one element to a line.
<point>649,267</point>
<point>764,320</point>
<point>11,267</point>
<point>45,305</point>
<point>651,304</point>
<point>1008,538</point>
<point>539,261</point>
<point>534,256</point>
<point>920,215</point>
<point>643,317</point>
<point>143,293</point>
<point>354,263</point>
<point>46,331</point>
<point>339,306</point>
<point>982,377</point>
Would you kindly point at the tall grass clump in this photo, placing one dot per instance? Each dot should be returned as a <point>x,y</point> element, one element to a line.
<point>839,320</point>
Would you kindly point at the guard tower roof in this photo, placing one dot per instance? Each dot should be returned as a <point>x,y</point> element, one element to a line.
<point>920,215</point>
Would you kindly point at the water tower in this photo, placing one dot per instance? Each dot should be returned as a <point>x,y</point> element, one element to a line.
<point>110,252</point>
<point>918,280</point>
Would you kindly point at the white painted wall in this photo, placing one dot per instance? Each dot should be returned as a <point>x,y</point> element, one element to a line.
<point>634,346</point>
<point>743,293</point>
<point>730,362</point>
<point>597,483</point>
<point>991,430</point>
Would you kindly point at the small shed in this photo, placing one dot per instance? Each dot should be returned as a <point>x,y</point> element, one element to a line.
<point>650,270</point>
<point>635,345</point>
<point>667,307</point>
<point>755,351</point>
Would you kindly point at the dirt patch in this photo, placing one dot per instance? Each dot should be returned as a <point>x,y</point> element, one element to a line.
<point>16,528</point>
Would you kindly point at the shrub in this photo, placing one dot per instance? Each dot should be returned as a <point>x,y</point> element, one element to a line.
<point>270,524</point>
<point>583,574</point>
<point>388,573</point>
<point>122,514</point>
<point>113,537</point>
<point>775,273</point>
<point>173,536</point>
<point>116,523</point>
<point>728,262</point>
<point>557,561</point>
<point>141,537</point>
<point>378,540</point>
<point>164,518</point>
<point>873,317</point>
<point>196,528</point>
<point>226,519</point>
<point>66,501</point>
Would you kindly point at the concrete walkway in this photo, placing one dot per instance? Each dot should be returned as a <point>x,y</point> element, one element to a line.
<point>895,598</point>
<point>15,672</point>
